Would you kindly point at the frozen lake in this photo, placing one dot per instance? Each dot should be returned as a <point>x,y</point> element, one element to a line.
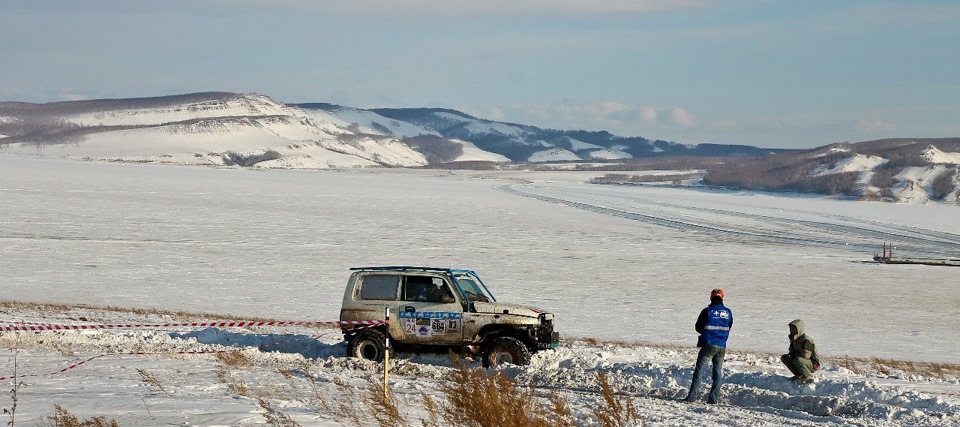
<point>618,263</point>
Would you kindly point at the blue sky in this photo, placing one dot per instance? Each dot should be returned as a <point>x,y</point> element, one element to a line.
<point>792,74</point>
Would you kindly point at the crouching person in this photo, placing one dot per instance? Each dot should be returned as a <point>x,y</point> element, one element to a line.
<point>801,357</point>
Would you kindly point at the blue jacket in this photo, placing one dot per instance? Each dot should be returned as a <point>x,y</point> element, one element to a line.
<point>714,325</point>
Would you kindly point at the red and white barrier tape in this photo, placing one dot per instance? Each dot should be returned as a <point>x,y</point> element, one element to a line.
<point>37,327</point>
<point>81,362</point>
<point>52,373</point>
<point>14,326</point>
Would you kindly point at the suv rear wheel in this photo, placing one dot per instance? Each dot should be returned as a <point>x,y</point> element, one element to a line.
<point>368,344</point>
<point>506,350</point>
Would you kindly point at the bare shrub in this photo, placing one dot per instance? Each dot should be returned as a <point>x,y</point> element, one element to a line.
<point>384,407</point>
<point>864,366</point>
<point>152,381</point>
<point>240,159</point>
<point>14,392</point>
<point>476,398</point>
<point>435,149</point>
<point>619,178</point>
<point>346,408</point>
<point>234,385</point>
<point>63,418</point>
<point>943,184</point>
<point>275,417</point>
<point>234,359</point>
<point>618,409</point>
<point>883,176</point>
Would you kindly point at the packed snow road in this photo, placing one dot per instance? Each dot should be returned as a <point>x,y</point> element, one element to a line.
<point>775,226</point>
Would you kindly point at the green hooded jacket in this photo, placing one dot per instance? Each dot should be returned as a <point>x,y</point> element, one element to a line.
<point>802,346</point>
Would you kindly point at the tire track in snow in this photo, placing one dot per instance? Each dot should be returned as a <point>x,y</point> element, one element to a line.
<point>801,232</point>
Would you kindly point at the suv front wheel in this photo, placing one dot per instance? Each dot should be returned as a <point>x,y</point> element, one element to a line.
<point>368,344</point>
<point>506,350</point>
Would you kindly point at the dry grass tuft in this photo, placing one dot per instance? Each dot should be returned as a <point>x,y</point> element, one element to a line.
<point>619,343</point>
<point>63,418</point>
<point>234,385</point>
<point>346,408</point>
<point>887,367</point>
<point>476,398</point>
<point>275,417</point>
<point>618,409</point>
<point>152,381</point>
<point>234,359</point>
<point>384,407</point>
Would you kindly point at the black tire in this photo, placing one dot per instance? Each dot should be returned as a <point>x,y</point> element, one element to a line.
<point>506,350</point>
<point>368,344</point>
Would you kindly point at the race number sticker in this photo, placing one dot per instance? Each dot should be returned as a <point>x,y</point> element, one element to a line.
<point>453,326</point>
<point>438,326</point>
<point>424,324</point>
<point>424,328</point>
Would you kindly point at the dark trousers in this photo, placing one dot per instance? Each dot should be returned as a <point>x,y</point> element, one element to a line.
<point>707,354</point>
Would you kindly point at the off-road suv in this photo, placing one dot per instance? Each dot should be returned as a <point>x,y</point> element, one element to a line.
<point>440,308</point>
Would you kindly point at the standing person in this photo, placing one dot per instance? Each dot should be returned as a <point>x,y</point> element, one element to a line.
<point>714,326</point>
<point>801,357</point>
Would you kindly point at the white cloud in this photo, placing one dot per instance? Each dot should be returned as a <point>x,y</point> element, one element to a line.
<point>649,114</point>
<point>497,114</point>
<point>613,116</point>
<point>682,117</point>
<point>871,126</point>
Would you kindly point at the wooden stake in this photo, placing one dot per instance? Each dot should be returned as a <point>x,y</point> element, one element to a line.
<point>386,355</point>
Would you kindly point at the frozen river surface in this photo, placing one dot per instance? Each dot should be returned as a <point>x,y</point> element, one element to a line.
<point>613,262</point>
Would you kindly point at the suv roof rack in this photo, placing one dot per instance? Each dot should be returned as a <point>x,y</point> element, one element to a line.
<point>401,267</point>
<point>410,267</point>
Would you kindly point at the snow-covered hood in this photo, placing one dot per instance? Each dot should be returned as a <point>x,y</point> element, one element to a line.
<point>511,309</point>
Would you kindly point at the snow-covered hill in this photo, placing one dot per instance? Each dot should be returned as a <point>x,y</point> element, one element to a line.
<point>221,128</point>
<point>898,170</point>
<point>227,129</point>
<point>216,129</point>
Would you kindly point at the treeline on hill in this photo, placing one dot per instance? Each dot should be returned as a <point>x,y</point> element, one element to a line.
<point>794,171</point>
<point>784,172</point>
<point>56,109</point>
<point>436,149</point>
<point>43,123</point>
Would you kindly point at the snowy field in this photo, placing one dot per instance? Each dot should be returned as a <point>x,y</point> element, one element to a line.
<point>620,263</point>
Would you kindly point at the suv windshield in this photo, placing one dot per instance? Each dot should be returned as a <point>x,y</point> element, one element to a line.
<point>472,287</point>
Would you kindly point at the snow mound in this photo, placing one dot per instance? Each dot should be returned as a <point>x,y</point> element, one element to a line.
<point>553,155</point>
<point>473,153</point>
<point>577,145</point>
<point>755,392</point>
<point>934,155</point>
<point>371,122</point>
<point>609,154</point>
<point>856,163</point>
<point>915,183</point>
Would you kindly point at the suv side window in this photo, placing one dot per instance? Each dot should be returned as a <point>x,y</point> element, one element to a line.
<point>417,288</point>
<point>379,286</point>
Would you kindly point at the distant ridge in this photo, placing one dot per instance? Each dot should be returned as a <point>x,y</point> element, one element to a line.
<point>10,108</point>
<point>251,130</point>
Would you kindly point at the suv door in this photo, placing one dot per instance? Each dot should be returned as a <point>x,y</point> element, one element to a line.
<point>427,312</point>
